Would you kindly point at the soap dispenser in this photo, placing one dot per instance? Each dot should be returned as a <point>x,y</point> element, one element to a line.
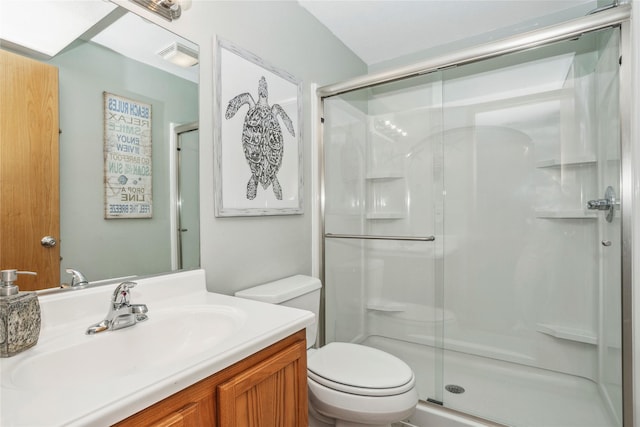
<point>19,315</point>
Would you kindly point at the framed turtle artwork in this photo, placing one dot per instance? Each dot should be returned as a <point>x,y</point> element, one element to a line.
<point>257,139</point>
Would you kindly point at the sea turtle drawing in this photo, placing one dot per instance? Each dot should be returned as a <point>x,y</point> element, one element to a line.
<point>262,139</point>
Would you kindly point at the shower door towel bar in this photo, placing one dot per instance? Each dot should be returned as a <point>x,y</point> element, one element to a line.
<point>369,237</point>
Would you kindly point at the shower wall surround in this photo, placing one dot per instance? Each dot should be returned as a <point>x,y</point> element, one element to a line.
<point>517,300</point>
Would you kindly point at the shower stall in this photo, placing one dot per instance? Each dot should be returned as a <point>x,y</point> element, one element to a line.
<point>474,219</point>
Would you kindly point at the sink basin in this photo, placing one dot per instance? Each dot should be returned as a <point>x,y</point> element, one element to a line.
<point>167,341</point>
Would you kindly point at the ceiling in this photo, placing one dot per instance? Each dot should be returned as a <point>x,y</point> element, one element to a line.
<point>97,21</point>
<point>375,30</point>
<point>45,28</point>
<point>383,30</point>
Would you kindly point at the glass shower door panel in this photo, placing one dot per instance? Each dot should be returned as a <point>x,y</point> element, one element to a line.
<point>380,294</point>
<point>608,154</point>
<point>379,158</point>
<point>381,151</point>
<point>523,265</point>
<point>345,141</point>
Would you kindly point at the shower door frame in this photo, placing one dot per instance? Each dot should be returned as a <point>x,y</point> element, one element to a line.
<point>615,17</point>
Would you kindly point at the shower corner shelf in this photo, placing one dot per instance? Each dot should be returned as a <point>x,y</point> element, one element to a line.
<point>385,305</point>
<point>385,215</point>
<point>565,214</point>
<point>569,334</point>
<point>571,161</point>
<point>384,175</point>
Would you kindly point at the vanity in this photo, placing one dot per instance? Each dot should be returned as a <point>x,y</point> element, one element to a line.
<point>201,358</point>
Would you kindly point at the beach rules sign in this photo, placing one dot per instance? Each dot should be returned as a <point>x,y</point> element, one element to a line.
<point>128,169</point>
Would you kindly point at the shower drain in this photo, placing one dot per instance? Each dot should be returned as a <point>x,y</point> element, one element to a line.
<point>456,389</point>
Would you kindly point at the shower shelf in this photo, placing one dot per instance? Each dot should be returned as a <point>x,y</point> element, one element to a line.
<point>385,215</point>
<point>565,214</point>
<point>384,175</point>
<point>572,161</point>
<point>569,334</point>
<point>388,306</point>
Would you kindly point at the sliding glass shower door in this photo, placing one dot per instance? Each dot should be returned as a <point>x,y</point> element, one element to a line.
<point>531,155</point>
<point>381,223</point>
<point>472,228</point>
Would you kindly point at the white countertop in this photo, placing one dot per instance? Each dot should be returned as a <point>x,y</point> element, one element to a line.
<point>53,383</point>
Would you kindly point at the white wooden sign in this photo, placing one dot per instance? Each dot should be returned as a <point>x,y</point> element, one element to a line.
<point>128,169</point>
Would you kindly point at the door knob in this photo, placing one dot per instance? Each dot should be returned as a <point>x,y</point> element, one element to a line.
<point>48,241</point>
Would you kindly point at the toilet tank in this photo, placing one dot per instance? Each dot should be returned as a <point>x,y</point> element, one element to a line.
<point>296,291</point>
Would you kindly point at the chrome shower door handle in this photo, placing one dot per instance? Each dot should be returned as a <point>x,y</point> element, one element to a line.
<point>607,204</point>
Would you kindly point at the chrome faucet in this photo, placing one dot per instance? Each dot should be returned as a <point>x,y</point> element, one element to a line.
<point>78,281</point>
<point>121,313</point>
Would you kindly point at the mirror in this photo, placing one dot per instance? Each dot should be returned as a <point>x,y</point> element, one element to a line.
<point>118,55</point>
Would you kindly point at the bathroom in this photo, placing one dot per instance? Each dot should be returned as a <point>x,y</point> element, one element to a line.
<point>240,252</point>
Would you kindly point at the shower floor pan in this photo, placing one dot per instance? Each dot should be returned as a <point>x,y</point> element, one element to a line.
<point>504,392</point>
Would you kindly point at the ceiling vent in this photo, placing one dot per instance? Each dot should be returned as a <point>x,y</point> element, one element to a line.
<point>179,55</point>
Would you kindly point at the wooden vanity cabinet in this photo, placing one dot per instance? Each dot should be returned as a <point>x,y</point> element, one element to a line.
<point>268,388</point>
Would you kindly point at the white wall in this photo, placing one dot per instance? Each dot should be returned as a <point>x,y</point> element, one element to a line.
<point>244,251</point>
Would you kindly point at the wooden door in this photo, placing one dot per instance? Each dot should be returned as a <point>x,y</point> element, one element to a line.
<point>29,169</point>
<point>272,393</point>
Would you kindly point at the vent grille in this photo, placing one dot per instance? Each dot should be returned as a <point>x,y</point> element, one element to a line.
<point>179,55</point>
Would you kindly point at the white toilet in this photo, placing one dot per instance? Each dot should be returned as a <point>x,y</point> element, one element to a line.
<point>349,384</point>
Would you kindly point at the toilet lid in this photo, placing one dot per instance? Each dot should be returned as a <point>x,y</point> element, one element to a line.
<point>358,369</point>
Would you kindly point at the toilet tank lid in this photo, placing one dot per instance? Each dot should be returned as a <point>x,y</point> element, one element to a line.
<point>281,290</point>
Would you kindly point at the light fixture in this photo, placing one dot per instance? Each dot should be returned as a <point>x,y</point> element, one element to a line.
<point>168,9</point>
<point>180,55</point>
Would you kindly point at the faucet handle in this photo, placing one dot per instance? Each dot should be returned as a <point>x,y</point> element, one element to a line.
<point>121,294</point>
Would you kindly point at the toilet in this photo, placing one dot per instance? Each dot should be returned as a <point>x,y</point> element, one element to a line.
<point>349,384</point>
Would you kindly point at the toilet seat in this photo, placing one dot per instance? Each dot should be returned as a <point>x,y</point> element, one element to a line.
<point>360,370</point>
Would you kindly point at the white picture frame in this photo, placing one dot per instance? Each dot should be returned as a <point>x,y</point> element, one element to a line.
<point>257,139</point>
